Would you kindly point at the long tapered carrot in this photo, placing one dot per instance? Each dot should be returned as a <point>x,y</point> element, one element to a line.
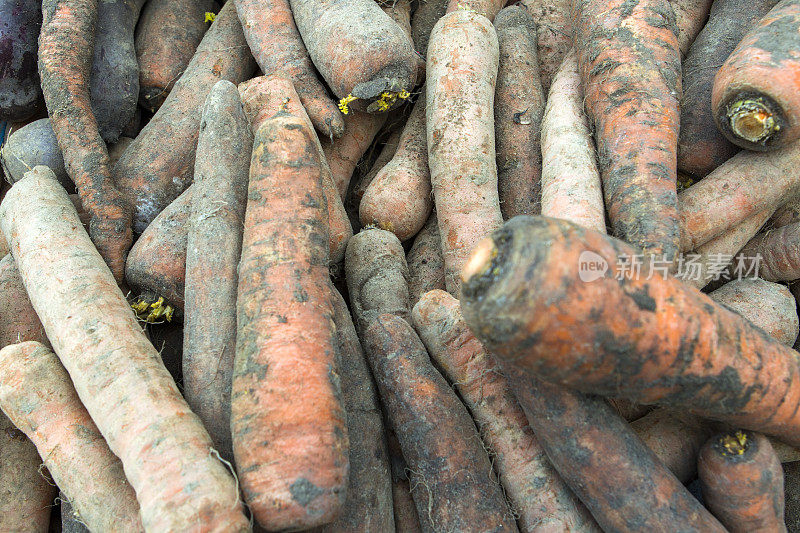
<point>630,67</point>
<point>277,46</point>
<point>167,454</point>
<point>343,154</point>
<point>213,248</point>
<point>518,109</point>
<point>535,491</point>
<point>553,34</point>
<point>633,334</point>
<point>158,165</point>
<point>287,419</point>
<point>66,44</point>
<point>449,471</point>
<point>37,395</point>
<point>742,482</point>
<point>754,99</point>
<point>425,263</point>
<point>461,74</point>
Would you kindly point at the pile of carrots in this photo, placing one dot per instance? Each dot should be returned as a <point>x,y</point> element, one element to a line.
<point>399,265</point>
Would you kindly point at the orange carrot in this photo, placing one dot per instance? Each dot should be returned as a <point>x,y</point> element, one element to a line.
<point>425,263</point>
<point>167,454</point>
<point>288,426</point>
<point>37,395</point>
<point>358,188</point>
<point>630,67</point>
<point>343,154</point>
<point>461,74</point>
<point>18,320</point>
<point>553,32</point>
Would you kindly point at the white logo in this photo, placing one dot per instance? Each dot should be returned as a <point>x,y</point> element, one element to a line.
<point>591,266</point>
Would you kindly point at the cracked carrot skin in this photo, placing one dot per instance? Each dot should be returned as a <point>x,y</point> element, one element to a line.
<point>755,95</point>
<point>66,44</point>
<point>276,44</point>
<point>653,341</point>
<point>450,474</point>
<point>37,395</point>
<point>119,377</point>
<point>461,74</point>
<point>213,249</point>
<point>540,498</point>
<point>344,153</point>
<point>425,263</point>
<point>287,417</point>
<point>742,482</point>
<point>159,164</point>
<point>264,96</point>
<point>630,68</point>
<point>518,108</point>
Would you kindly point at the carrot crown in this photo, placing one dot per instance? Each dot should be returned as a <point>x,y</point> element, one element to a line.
<point>752,120</point>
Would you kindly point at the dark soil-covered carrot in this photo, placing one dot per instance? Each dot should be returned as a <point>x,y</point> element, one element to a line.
<point>36,393</point>
<point>701,146</point>
<point>630,67</point>
<point>405,512</point>
<point>773,255</point>
<point>20,94</point>
<point>518,109</point>
<point>449,471</point>
<point>166,38</point>
<point>368,506</point>
<point>65,54</point>
<point>632,332</point>
<point>690,18</point>
<point>536,492</point>
<point>263,97</point>
<point>571,186</point>
<point>287,418</point>
<point>343,154</point>
<point>158,166</point>
<point>553,33</point>
<point>32,145</point>
<point>213,248</point>
<point>742,482</point>
<point>156,265</point>
<point>18,320</point>
<point>425,17</point>
<point>277,47</point>
<point>755,95</point>
<point>461,74</point>
<point>425,262</point>
<point>399,199</point>
<point>167,454</point>
<point>366,57</point>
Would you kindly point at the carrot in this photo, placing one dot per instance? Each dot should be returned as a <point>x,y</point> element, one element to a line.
<point>701,146</point>
<point>450,474</point>
<point>213,248</point>
<point>289,433</point>
<point>366,58</point>
<point>400,12</point>
<point>742,482</point>
<point>65,51</point>
<point>788,213</point>
<point>742,186</point>
<point>368,506</point>
<point>425,17</point>
<point>534,489</point>
<point>690,19</point>
<point>263,97</point>
<point>754,97</point>
<point>773,255</point>
<point>167,455</point>
<point>376,272</point>
<point>425,263</point>
<point>554,35</point>
<point>158,166</point>
<point>571,186</point>
<point>166,38</point>
<point>156,266</point>
<point>32,145</point>
<point>791,476</point>
<point>399,197</point>
<point>461,141</point>
<point>629,410</point>
<point>639,334</point>
<point>359,187</point>
<point>277,46</point>
<point>18,320</point>
<point>37,395</point>
<point>405,513</point>
<point>519,105</point>
<point>343,154</point>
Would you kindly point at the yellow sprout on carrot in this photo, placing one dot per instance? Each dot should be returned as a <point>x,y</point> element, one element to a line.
<point>343,103</point>
<point>152,312</point>
<point>210,16</point>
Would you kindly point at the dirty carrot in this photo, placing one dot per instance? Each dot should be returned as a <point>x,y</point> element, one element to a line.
<point>424,19</point>
<point>405,513</point>
<point>343,154</point>
<point>774,255</point>
<point>630,68</point>
<point>18,320</point>
<point>425,263</point>
<point>288,426</point>
<point>690,19</point>
<point>167,454</point>
<point>358,188</point>
<point>553,34</point>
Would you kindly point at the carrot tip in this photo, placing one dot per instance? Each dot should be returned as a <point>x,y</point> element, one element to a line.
<point>480,260</point>
<point>752,120</point>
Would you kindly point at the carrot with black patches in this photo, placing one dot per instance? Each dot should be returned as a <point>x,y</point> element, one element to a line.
<point>630,67</point>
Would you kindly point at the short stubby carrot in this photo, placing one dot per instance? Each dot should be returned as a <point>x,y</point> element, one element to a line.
<point>287,418</point>
<point>630,67</point>
<point>277,46</point>
<point>37,395</point>
<point>425,262</point>
<point>755,96</point>
<point>167,454</point>
<point>742,482</point>
<point>627,332</point>
<point>461,74</point>
<point>31,145</point>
